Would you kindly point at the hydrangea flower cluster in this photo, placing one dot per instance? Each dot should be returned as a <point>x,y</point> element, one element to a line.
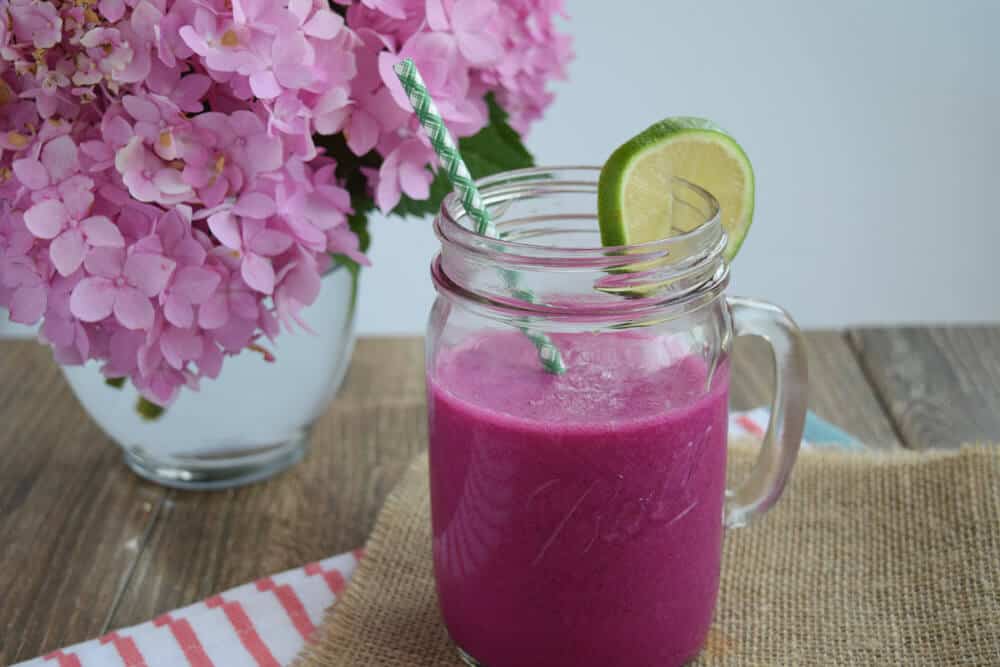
<point>167,195</point>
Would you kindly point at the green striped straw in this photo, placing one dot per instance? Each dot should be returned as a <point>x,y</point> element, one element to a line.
<point>468,194</point>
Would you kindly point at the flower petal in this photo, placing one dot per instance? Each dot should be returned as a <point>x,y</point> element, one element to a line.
<point>214,313</point>
<point>266,152</point>
<point>468,16</point>
<point>437,18</point>
<point>415,180</point>
<point>362,134</point>
<point>190,90</point>
<point>124,352</point>
<point>58,331</point>
<point>32,173</point>
<point>171,182</point>
<point>386,62</point>
<point>194,41</point>
<point>133,309</point>
<point>264,85</point>
<point>131,157</point>
<point>387,192</point>
<point>178,311</point>
<point>394,8</point>
<point>98,151</point>
<point>302,284</point>
<point>324,24</point>
<point>270,242</point>
<point>104,262</point>
<point>141,109</point>
<point>46,218</point>
<point>258,273</point>
<point>92,299</point>
<point>77,196</point>
<point>226,229</point>
<point>61,157</point>
<point>214,194</point>
<point>27,304</point>
<point>116,131</point>
<point>481,49</point>
<point>67,251</point>
<point>300,9</point>
<point>210,363</point>
<point>245,123</point>
<point>100,231</point>
<point>343,241</point>
<point>243,304</point>
<point>148,272</point>
<point>188,252</point>
<point>255,205</point>
<point>236,334</point>
<point>137,68</point>
<point>19,272</point>
<point>112,10</point>
<point>195,283</point>
<point>179,346</point>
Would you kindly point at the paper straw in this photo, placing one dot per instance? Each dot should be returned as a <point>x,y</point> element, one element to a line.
<point>468,194</point>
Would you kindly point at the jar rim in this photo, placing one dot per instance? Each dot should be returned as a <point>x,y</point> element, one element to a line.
<point>641,282</point>
<point>450,225</point>
<point>635,312</point>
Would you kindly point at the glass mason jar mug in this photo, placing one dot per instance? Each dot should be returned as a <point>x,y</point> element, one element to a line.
<point>578,516</point>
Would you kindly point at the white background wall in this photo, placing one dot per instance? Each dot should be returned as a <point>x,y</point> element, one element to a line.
<point>873,126</point>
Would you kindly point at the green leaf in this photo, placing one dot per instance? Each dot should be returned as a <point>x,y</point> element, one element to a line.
<point>495,148</point>
<point>354,269</point>
<point>117,383</point>
<point>148,410</point>
<point>358,221</point>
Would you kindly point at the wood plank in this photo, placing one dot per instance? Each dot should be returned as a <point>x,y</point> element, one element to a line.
<point>191,545</point>
<point>73,518</point>
<point>207,542</point>
<point>204,543</point>
<point>838,389</point>
<point>941,385</point>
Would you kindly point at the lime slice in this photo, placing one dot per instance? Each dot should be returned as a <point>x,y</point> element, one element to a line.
<point>635,204</point>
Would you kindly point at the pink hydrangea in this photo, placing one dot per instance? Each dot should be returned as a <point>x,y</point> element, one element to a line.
<point>166,197</point>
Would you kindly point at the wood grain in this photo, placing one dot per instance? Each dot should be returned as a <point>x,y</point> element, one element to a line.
<point>73,519</point>
<point>85,546</point>
<point>838,390</point>
<point>207,542</point>
<point>941,385</point>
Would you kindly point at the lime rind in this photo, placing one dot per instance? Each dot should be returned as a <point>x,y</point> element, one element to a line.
<point>617,171</point>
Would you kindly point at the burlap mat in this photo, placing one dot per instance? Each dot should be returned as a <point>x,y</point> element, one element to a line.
<point>868,560</point>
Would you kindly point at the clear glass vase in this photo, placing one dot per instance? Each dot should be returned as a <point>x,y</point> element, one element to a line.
<point>250,423</point>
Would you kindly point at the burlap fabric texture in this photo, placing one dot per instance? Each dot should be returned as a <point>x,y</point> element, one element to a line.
<point>869,559</point>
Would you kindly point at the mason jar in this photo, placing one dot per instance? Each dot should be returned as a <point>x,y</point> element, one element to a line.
<point>577,407</point>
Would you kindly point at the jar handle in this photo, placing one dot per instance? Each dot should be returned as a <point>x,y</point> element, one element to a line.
<point>788,409</point>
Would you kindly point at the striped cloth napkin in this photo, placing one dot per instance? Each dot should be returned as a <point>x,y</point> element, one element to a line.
<point>263,624</point>
<point>266,623</point>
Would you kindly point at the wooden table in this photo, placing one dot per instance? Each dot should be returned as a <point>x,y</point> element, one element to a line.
<point>86,547</point>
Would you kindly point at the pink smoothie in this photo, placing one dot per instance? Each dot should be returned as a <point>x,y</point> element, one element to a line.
<point>578,518</point>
